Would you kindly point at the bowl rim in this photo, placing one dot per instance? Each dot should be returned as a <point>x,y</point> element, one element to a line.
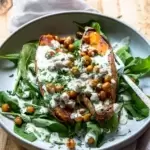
<point>145,124</point>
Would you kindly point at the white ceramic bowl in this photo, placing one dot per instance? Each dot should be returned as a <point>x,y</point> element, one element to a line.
<point>62,24</point>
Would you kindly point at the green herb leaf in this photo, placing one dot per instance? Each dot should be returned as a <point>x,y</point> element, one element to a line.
<point>21,132</point>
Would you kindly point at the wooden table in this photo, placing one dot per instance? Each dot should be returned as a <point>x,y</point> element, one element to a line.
<point>134,12</point>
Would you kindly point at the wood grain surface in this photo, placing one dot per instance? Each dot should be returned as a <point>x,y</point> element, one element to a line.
<point>134,12</point>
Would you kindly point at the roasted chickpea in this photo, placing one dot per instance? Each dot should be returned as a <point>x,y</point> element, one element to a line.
<point>30,110</point>
<point>58,88</point>
<point>52,53</point>
<point>86,60</point>
<point>5,108</point>
<point>82,53</point>
<point>70,47</point>
<point>79,119</point>
<point>70,64</point>
<point>87,117</point>
<point>18,121</point>
<point>71,144</point>
<point>102,95</point>
<point>86,39</point>
<point>68,40</point>
<point>89,68</point>
<point>72,94</point>
<point>79,35</point>
<point>91,53</point>
<point>107,78</point>
<point>99,86</point>
<point>106,86</point>
<point>56,38</point>
<point>94,82</point>
<point>96,69</point>
<point>61,40</point>
<point>91,141</point>
<point>50,88</point>
<point>75,70</point>
<point>59,50</point>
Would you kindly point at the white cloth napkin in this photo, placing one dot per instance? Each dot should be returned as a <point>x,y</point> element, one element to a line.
<point>26,10</point>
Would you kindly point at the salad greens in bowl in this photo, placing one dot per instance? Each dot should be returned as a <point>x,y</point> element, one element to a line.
<point>66,91</point>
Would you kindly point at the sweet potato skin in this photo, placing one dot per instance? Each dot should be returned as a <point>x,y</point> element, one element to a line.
<point>62,114</point>
<point>114,76</point>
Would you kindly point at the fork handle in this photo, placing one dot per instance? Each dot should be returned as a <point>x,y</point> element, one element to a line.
<point>137,90</point>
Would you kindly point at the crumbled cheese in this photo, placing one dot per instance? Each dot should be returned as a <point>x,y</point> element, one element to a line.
<point>94,97</point>
<point>76,85</point>
<point>43,110</point>
<point>84,76</point>
<point>113,81</point>
<point>99,107</point>
<point>55,44</point>
<point>53,103</point>
<point>88,89</point>
<point>75,115</point>
<point>64,96</point>
<point>107,102</point>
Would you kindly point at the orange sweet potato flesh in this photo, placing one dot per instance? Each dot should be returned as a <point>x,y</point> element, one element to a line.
<point>97,41</point>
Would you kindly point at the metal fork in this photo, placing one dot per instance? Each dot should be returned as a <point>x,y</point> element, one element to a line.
<point>120,67</point>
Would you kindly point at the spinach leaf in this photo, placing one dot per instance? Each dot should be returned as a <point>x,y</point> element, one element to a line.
<point>140,106</point>
<point>91,23</point>
<point>97,27</point>
<point>25,118</point>
<point>132,112</point>
<point>52,125</point>
<point>136,107</point>
<point>138,66</point>
<point>21,132</point>
<point>27,55</point>
<point>134,66</point>
<point>95,130</point>
<point>11,57</point>
<point>111,125</point>
<point>13,103</point>
<point>78,127</point>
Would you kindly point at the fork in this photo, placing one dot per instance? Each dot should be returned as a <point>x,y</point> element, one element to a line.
<point>120,67</point>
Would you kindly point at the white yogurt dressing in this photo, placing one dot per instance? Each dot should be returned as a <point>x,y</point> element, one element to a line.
<point>55,138</point>
<point>43,110</point>
<point>40,133</point>
<point>31,77</point>
<point>123,117</point>
<point>90,135</point>
<point>76,85</point>
<point>75,115</point>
